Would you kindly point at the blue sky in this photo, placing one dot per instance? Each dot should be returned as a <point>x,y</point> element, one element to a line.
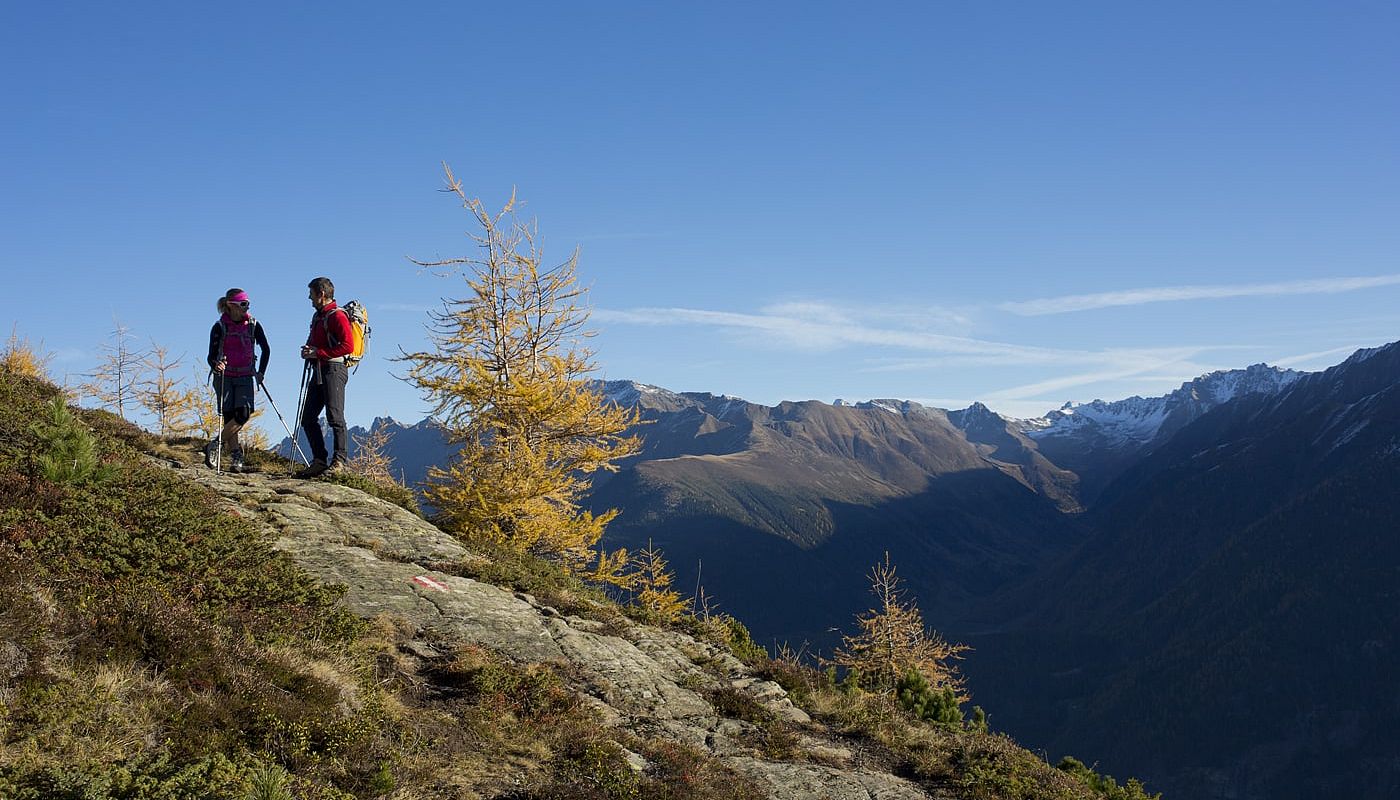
<point>1019,203</point>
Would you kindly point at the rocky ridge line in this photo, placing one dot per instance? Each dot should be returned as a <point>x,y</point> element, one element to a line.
<point>642,679</point>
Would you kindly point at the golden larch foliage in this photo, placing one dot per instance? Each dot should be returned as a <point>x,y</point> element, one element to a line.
<point>507,377</point>
<point>893,640</point>
<point>22,357</point>
<point>253,436</point>
<point>652,581</point>
<point>163,395</point>
<point>203,415</point>
<point>371,459</point>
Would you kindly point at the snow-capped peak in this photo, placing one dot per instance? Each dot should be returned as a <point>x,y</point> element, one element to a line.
<point>1141,419</point>
<point>630,393</point>
<point>977,416</point>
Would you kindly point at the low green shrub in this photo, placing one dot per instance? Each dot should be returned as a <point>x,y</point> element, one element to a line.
<point>158,777</point>
<point>387,490</point>
<point>526,692</point>
<point>1104,785</point>
<point>68,453</point>
<point>741,642</point>
<point>918,697</point>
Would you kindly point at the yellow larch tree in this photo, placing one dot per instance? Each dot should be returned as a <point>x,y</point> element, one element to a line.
<point>371,458</point>
<point>203,415</point>
<point>893,640</point>
<point>652,582</point>
<point>22,357</point>
<point>507,377</point>
<point>165,396</point>
<point>253,436</point>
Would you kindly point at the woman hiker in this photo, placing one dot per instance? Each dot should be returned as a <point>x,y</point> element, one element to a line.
<point>231,342</point>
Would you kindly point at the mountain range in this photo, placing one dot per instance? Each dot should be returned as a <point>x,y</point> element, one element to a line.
<point>1213,569</point>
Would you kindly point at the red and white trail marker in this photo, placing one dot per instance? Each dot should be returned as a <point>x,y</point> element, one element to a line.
<point>425,581</point>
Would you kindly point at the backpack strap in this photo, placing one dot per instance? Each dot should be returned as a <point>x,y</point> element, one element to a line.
<point>330,337</point>
<point>326,322</point>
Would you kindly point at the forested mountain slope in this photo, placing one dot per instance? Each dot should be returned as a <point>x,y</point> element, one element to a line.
<point>1237,598</point>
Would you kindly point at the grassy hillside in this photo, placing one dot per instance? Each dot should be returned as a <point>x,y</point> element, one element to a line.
<point>153,646</point>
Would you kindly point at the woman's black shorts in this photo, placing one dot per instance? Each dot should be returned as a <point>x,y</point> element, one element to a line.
<point>236,397</point>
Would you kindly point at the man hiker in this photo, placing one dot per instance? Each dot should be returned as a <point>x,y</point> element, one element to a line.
<point>231,343</point>
<point>330,341</point>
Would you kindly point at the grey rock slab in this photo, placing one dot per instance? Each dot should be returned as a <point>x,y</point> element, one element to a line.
<point>816,782</point>
<point>632,682</point>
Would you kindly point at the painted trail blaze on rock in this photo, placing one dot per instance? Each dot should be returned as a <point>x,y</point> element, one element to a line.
<point>424,580</point>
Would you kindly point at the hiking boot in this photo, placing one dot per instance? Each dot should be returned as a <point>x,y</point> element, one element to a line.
<point>316,467</point>
<point>337,466</point>
<point>235,463</point>
<point>211,454</point>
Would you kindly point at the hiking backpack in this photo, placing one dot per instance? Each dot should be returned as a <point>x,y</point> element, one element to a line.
<point>359,331</point>
<point>244,361</point>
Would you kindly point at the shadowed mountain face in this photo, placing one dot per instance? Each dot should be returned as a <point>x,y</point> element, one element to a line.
<point>1236,603</point>
<point>781,512</point>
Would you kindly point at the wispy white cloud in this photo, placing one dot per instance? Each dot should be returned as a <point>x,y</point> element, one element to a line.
<point>1115,358</point>
<point>891,348</point>
<point>930,318</point>
<point>1304,358</point>
<point>1167,294</point>
<point>1179,364</point>
<point>820,327</point>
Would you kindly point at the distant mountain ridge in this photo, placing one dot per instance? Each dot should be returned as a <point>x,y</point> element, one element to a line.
<point>1047,453</point>
<point>1143,419</point>
<point>1098,440</point>
<point>412,448</point>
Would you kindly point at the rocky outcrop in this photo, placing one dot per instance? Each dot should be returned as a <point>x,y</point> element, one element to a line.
<point>652,682</point>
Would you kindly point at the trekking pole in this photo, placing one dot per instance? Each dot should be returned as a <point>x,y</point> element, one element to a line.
<point>219,412</point>
<point>301,405</point>
<point>268,394</point>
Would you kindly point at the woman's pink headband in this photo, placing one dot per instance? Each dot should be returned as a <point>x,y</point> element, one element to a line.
<point>241,297</point>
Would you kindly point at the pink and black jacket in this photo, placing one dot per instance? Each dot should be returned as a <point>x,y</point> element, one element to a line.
<point>234,341</point>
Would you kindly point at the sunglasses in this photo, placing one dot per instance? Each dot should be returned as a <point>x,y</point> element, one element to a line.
<point>240,304</point>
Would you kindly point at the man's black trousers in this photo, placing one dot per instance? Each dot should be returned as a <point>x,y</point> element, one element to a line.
<point>329,395</point>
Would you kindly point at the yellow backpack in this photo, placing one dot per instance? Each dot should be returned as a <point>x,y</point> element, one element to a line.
<point>359,331</point>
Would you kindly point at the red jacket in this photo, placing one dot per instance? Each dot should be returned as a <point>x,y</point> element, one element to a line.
<point>340,341</point>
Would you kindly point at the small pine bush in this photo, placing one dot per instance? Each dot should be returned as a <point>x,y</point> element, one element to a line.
<point>69,454</point>
<point>268,782</point>
<point>1104,785</point>
<point>742,644</point>
<point>925,702</point>
<point>979,720</point>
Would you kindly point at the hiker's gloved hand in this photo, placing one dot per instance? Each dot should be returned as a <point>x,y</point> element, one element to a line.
<point>260,379</point>
<point>307,351</point>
